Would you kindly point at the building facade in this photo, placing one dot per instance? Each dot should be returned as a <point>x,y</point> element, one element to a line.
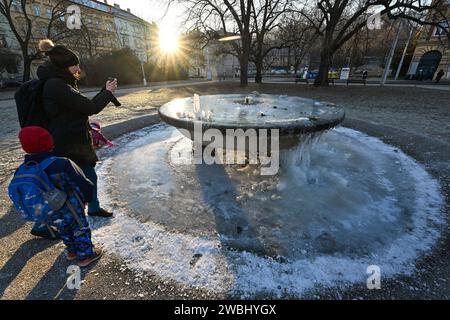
<point>10,54</point>
<point>104,28</point>
<point>132,32</point>
<point>98,34</point>
<point>432,52</point>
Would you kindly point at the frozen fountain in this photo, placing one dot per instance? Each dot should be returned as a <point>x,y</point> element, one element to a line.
<point>294,117</point>
<point>337,206</point>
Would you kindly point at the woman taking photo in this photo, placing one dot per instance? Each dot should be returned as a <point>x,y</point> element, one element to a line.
<point>68,111</point>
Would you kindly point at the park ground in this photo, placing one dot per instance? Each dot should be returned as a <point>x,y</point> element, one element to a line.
<point>417,120</point>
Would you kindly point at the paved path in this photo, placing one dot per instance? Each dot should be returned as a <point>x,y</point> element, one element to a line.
<point>136,102</point>
<point>9,94</point>
<point>444,87</point>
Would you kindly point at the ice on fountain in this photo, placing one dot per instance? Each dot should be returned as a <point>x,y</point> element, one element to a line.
<point>197,106</point>
<point>359,210</point>
<point>300,156</point>
<point>228,110</point>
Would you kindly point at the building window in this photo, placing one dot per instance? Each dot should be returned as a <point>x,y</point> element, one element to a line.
<point>15,4</point>
<point>37,10</point>
<point>49,13</point>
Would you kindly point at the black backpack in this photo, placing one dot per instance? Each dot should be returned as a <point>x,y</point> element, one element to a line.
<point>30,107</point>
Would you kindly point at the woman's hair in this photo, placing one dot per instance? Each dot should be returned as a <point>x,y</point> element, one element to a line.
<point>59,55</point>
<point>46,45</point>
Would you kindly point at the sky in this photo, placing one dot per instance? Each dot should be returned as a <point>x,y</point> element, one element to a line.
<point>154,10</point>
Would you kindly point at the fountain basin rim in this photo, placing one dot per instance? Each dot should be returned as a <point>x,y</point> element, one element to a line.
<point>289,129</point>
<point>303,124</point>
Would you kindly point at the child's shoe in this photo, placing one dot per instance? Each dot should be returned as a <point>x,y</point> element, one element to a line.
<point>46,233</point>
<point>70,256</point>
<point>101,213</point>
<point>94,257</point>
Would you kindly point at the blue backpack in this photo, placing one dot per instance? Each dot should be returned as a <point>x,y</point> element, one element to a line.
<point>32,192</point>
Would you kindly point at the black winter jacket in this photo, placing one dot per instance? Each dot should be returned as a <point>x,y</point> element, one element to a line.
<point>68,111</point>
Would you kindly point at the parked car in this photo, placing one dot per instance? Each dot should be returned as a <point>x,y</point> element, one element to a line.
<point>279,71</point>
<point>312,74</point>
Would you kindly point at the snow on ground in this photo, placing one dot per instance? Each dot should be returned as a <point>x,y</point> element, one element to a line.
<point>201,261</point>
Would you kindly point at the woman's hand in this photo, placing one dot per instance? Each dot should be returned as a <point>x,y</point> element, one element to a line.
<point>111,85</point>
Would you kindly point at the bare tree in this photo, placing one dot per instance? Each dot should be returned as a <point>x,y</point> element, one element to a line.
<point>88,41</point>
<point>337,21</point>
<point>438,16</point>
<point>266,15</point>
<point>23,24</point>
<point>297,35</point>
<point>216,18</point>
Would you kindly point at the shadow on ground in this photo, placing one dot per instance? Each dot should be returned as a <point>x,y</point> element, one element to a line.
<point>52,284</point>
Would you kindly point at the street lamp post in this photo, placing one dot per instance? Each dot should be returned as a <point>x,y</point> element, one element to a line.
<point>143,74</point>
<point>391,56</point>
<point>404,53</point>
<point>142,58</point>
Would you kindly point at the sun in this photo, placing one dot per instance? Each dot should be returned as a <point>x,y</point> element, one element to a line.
<point>168,40</point>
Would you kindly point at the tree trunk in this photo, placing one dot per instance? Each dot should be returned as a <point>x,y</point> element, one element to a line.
<point>26,68</point>
<point>289,58</point>
<point>244,60</point>
<point>244,71</point>
<point>296,65</point>
<point>325,59</point>
<point>259,58</point>
<point>259,66</point>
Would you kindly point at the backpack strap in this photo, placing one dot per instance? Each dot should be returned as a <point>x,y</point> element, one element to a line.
<point>47,162</point>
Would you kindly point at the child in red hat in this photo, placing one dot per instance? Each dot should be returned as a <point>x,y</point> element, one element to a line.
<point>70,220</point>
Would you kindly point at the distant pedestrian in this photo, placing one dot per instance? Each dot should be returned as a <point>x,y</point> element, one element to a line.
<point>364,75</point>
<point>439,75</point>
<point>421,75</point>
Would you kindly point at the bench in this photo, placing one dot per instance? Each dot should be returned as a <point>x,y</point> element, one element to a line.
<point>330,81</point>
<point>357,80</point>
<point>298,79</point>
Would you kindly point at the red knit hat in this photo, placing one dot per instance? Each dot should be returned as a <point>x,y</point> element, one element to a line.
<point>35,140</point>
